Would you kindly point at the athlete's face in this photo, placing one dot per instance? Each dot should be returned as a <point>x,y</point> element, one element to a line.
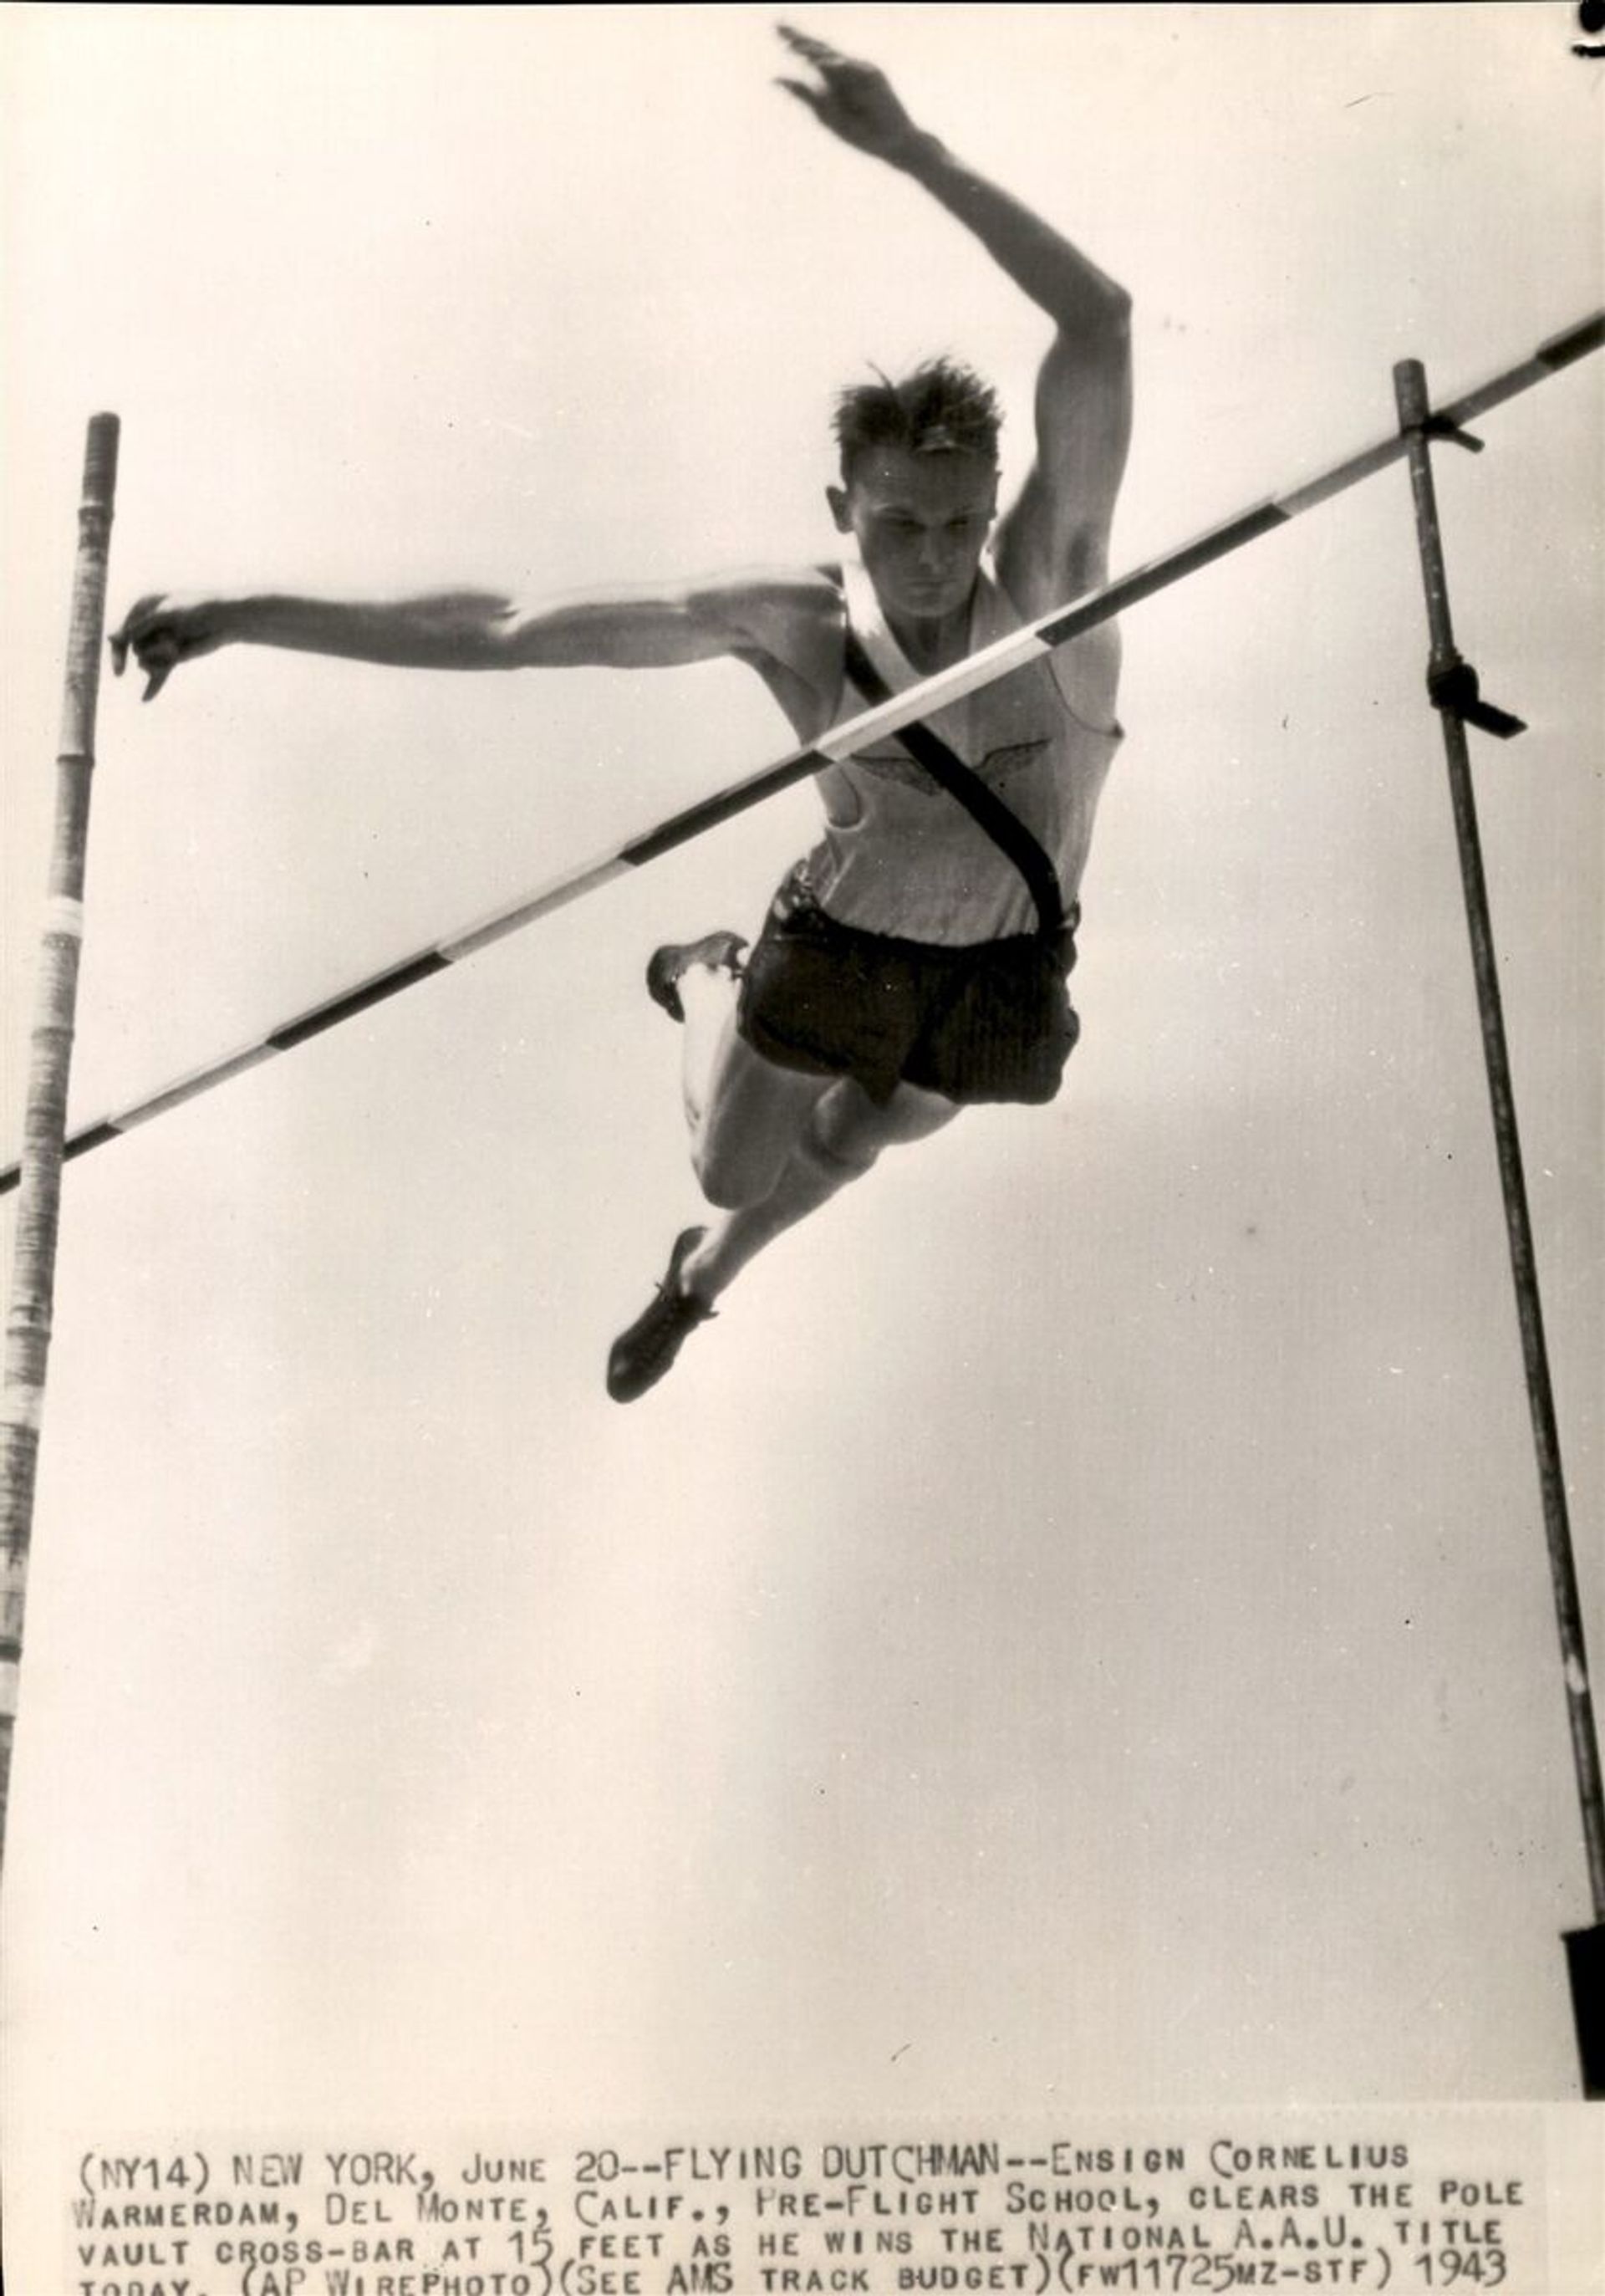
<point>922,522</point>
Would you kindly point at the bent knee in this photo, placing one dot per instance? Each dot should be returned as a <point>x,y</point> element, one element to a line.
<point>732,1177</point>
<point>840,1151</point>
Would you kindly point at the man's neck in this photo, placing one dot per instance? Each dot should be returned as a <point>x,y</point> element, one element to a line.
<point>929,645</point>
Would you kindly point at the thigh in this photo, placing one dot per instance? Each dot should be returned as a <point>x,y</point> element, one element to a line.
<point>828,1000</point>
<point>849,1123</point>
<point>757,1112</point>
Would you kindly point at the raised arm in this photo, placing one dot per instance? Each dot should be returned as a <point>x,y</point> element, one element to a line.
<point>762,619</point>
<point>1055,540</point>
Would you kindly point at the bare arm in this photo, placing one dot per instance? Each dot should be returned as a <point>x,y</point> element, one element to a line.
<point>755,618</point>
<point>1055,540</point>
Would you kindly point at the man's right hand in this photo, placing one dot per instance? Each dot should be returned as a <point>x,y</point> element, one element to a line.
<point>162,631</point>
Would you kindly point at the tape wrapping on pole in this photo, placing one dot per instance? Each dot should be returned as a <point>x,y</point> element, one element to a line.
<point>1009,652</point>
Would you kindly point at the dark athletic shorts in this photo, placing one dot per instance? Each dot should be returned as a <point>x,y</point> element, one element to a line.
<point>992,1022</point>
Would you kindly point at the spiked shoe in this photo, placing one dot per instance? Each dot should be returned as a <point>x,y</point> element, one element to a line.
<point>716,949</point>
<point>640,1357</point>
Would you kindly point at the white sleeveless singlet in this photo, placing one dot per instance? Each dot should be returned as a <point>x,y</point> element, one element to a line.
<point>902,856</point>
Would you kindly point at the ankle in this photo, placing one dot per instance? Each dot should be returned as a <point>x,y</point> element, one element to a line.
<point>698,1274</point>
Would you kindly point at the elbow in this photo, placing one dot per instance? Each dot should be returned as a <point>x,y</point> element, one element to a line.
<point>453,629</point>
<point>1105,318</point>
<point>1113,319</point>
<point>1098,347</point>
<point>502,636</point>
<point>1096,337</point>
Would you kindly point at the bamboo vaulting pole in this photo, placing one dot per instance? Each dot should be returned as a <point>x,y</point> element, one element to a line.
<point>30,1314</point>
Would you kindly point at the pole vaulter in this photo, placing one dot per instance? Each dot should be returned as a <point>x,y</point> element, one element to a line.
<point>1031,641</point>
<point>1453,689</point>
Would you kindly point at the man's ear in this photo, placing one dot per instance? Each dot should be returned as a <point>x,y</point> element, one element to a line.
<point>837,496</point>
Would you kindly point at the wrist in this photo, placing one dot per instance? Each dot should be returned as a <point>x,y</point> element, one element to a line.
<point>920,155</point>
<point>237,617</point>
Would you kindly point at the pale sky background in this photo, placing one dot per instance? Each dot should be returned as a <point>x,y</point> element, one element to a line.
<point>1075,1634</point>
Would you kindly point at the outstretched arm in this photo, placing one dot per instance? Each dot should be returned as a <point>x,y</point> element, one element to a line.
<point>751,617</point>
<point>1056,539</point>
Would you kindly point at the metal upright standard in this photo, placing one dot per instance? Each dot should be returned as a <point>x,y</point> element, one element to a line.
<point>33,1269</point>
<point>1453,685</point>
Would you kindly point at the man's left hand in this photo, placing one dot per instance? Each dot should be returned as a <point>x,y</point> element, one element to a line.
<point>855,101</point>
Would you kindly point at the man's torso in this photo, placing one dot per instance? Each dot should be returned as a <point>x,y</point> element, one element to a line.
<point>902,856</point>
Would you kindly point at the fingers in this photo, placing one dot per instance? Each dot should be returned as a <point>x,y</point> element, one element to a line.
<point>120,640</point>
<point>828,62</point>
<point>158,664</point>
<point>816,51</point>
<point>158,657</point>
<point>804,95</point>
<point>156,651</point>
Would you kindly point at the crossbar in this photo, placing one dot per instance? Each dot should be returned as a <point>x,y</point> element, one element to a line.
<point>1009,652</point>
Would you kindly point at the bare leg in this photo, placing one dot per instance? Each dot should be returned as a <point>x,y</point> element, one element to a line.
<point>745,1114</point>
<point>770,1145</point>
<point>708,997</point>
<point>841,1135</point>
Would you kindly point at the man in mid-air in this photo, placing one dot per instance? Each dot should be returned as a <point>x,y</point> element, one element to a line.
<point>915,963</point>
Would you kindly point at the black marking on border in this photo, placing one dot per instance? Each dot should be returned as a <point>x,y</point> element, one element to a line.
<point>356,1000</point>
<point>97,1136</point>
<point>1174,568</point>
<point>10,1650</point>
<point>722,808</point>
<point>1575,345</point>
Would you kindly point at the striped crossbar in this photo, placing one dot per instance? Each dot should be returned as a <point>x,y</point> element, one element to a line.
<point>1007,654</point>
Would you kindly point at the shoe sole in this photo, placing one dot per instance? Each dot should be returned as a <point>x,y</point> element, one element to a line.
<point>666,966</point>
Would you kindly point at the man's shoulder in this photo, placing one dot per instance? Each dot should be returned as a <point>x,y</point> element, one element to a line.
<point>761,595</point>
<point>786,622</point>
<point>792,614</point>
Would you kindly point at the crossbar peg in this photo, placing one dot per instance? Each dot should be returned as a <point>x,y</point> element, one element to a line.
<point>1453,686</point>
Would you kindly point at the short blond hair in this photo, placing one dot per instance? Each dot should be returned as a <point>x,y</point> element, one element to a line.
<point>942,407</point>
